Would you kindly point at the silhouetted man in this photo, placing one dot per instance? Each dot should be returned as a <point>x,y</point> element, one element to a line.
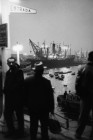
<point>14,97</point>
<point>86,100</point>
<point>40,101</point>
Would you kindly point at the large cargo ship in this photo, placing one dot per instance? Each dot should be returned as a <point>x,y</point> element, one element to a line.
<point>55,63</point>
<point>53,59</point>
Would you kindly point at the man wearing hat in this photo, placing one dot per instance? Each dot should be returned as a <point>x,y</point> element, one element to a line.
<point>40,101</point>
<point>13,90</point>
<point>86,101</point>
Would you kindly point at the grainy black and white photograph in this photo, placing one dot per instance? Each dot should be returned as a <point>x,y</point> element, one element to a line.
<point>46,69</point>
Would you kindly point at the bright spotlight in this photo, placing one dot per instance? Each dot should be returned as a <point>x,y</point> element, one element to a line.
<point>14,1</point>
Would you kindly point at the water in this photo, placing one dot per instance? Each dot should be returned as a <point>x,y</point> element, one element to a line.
<point>59,87</point>
<point>69,80</point>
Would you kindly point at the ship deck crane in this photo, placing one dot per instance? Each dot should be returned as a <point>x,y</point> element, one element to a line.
<point>36,49</point>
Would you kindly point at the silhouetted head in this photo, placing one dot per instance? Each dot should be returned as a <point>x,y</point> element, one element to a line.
<point>38,68</point>
<point>90,56</point>
<point>11,62</point>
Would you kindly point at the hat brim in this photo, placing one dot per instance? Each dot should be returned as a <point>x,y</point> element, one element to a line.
<point>11,60</point>
<point>34,68</point>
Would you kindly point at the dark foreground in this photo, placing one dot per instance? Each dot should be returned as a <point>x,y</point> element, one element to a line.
<point>65,134</point>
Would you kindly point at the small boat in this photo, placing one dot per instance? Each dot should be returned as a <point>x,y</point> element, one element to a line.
<point>56,75</point>
<point>69,101</point>
<point>51,75</point>
<point>61,77</point>
<point>73,73</point>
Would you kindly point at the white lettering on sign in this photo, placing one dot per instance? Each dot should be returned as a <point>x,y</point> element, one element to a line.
<point>19,9</point>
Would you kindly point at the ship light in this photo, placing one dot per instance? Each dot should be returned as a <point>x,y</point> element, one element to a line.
<point>64,48</point>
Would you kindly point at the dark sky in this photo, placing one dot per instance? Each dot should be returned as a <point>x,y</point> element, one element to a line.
<point>68,21</point>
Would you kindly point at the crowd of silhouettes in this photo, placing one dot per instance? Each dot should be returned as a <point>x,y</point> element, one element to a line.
<point>36,94</point>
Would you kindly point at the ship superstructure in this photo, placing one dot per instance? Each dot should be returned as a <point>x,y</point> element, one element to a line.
<point>55,51</point>
<point>52,57</point>
<point>55,56</point>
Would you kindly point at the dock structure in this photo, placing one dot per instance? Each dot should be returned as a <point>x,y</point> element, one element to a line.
<point>67,132</point>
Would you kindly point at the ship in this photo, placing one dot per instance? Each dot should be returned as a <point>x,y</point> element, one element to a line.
<point>53,59</point>
<point>55,63</point>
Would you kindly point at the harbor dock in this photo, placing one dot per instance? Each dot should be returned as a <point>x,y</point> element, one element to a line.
<point>65,134</point>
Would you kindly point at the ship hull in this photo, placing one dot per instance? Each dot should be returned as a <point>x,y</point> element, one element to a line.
<point>56,63</point>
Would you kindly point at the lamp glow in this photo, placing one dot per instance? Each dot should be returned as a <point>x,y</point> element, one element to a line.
<point>14,1</point>
<point>17,48</point>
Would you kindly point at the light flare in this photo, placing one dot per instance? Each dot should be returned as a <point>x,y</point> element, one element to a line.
<point>14,1</point>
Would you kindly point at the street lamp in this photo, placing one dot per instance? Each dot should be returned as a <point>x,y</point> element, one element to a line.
<point>17,48</point>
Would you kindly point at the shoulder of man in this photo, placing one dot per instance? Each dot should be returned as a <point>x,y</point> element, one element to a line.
<point>20,70</point>
<point>8,73</point>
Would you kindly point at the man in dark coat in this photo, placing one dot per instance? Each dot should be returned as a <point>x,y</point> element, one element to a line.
<point>14,97</point>
<point>86,100</point>
<point>40,101</point>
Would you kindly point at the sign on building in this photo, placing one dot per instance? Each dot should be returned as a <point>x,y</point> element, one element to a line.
<point>20,9</point>
<point>3,35</point>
